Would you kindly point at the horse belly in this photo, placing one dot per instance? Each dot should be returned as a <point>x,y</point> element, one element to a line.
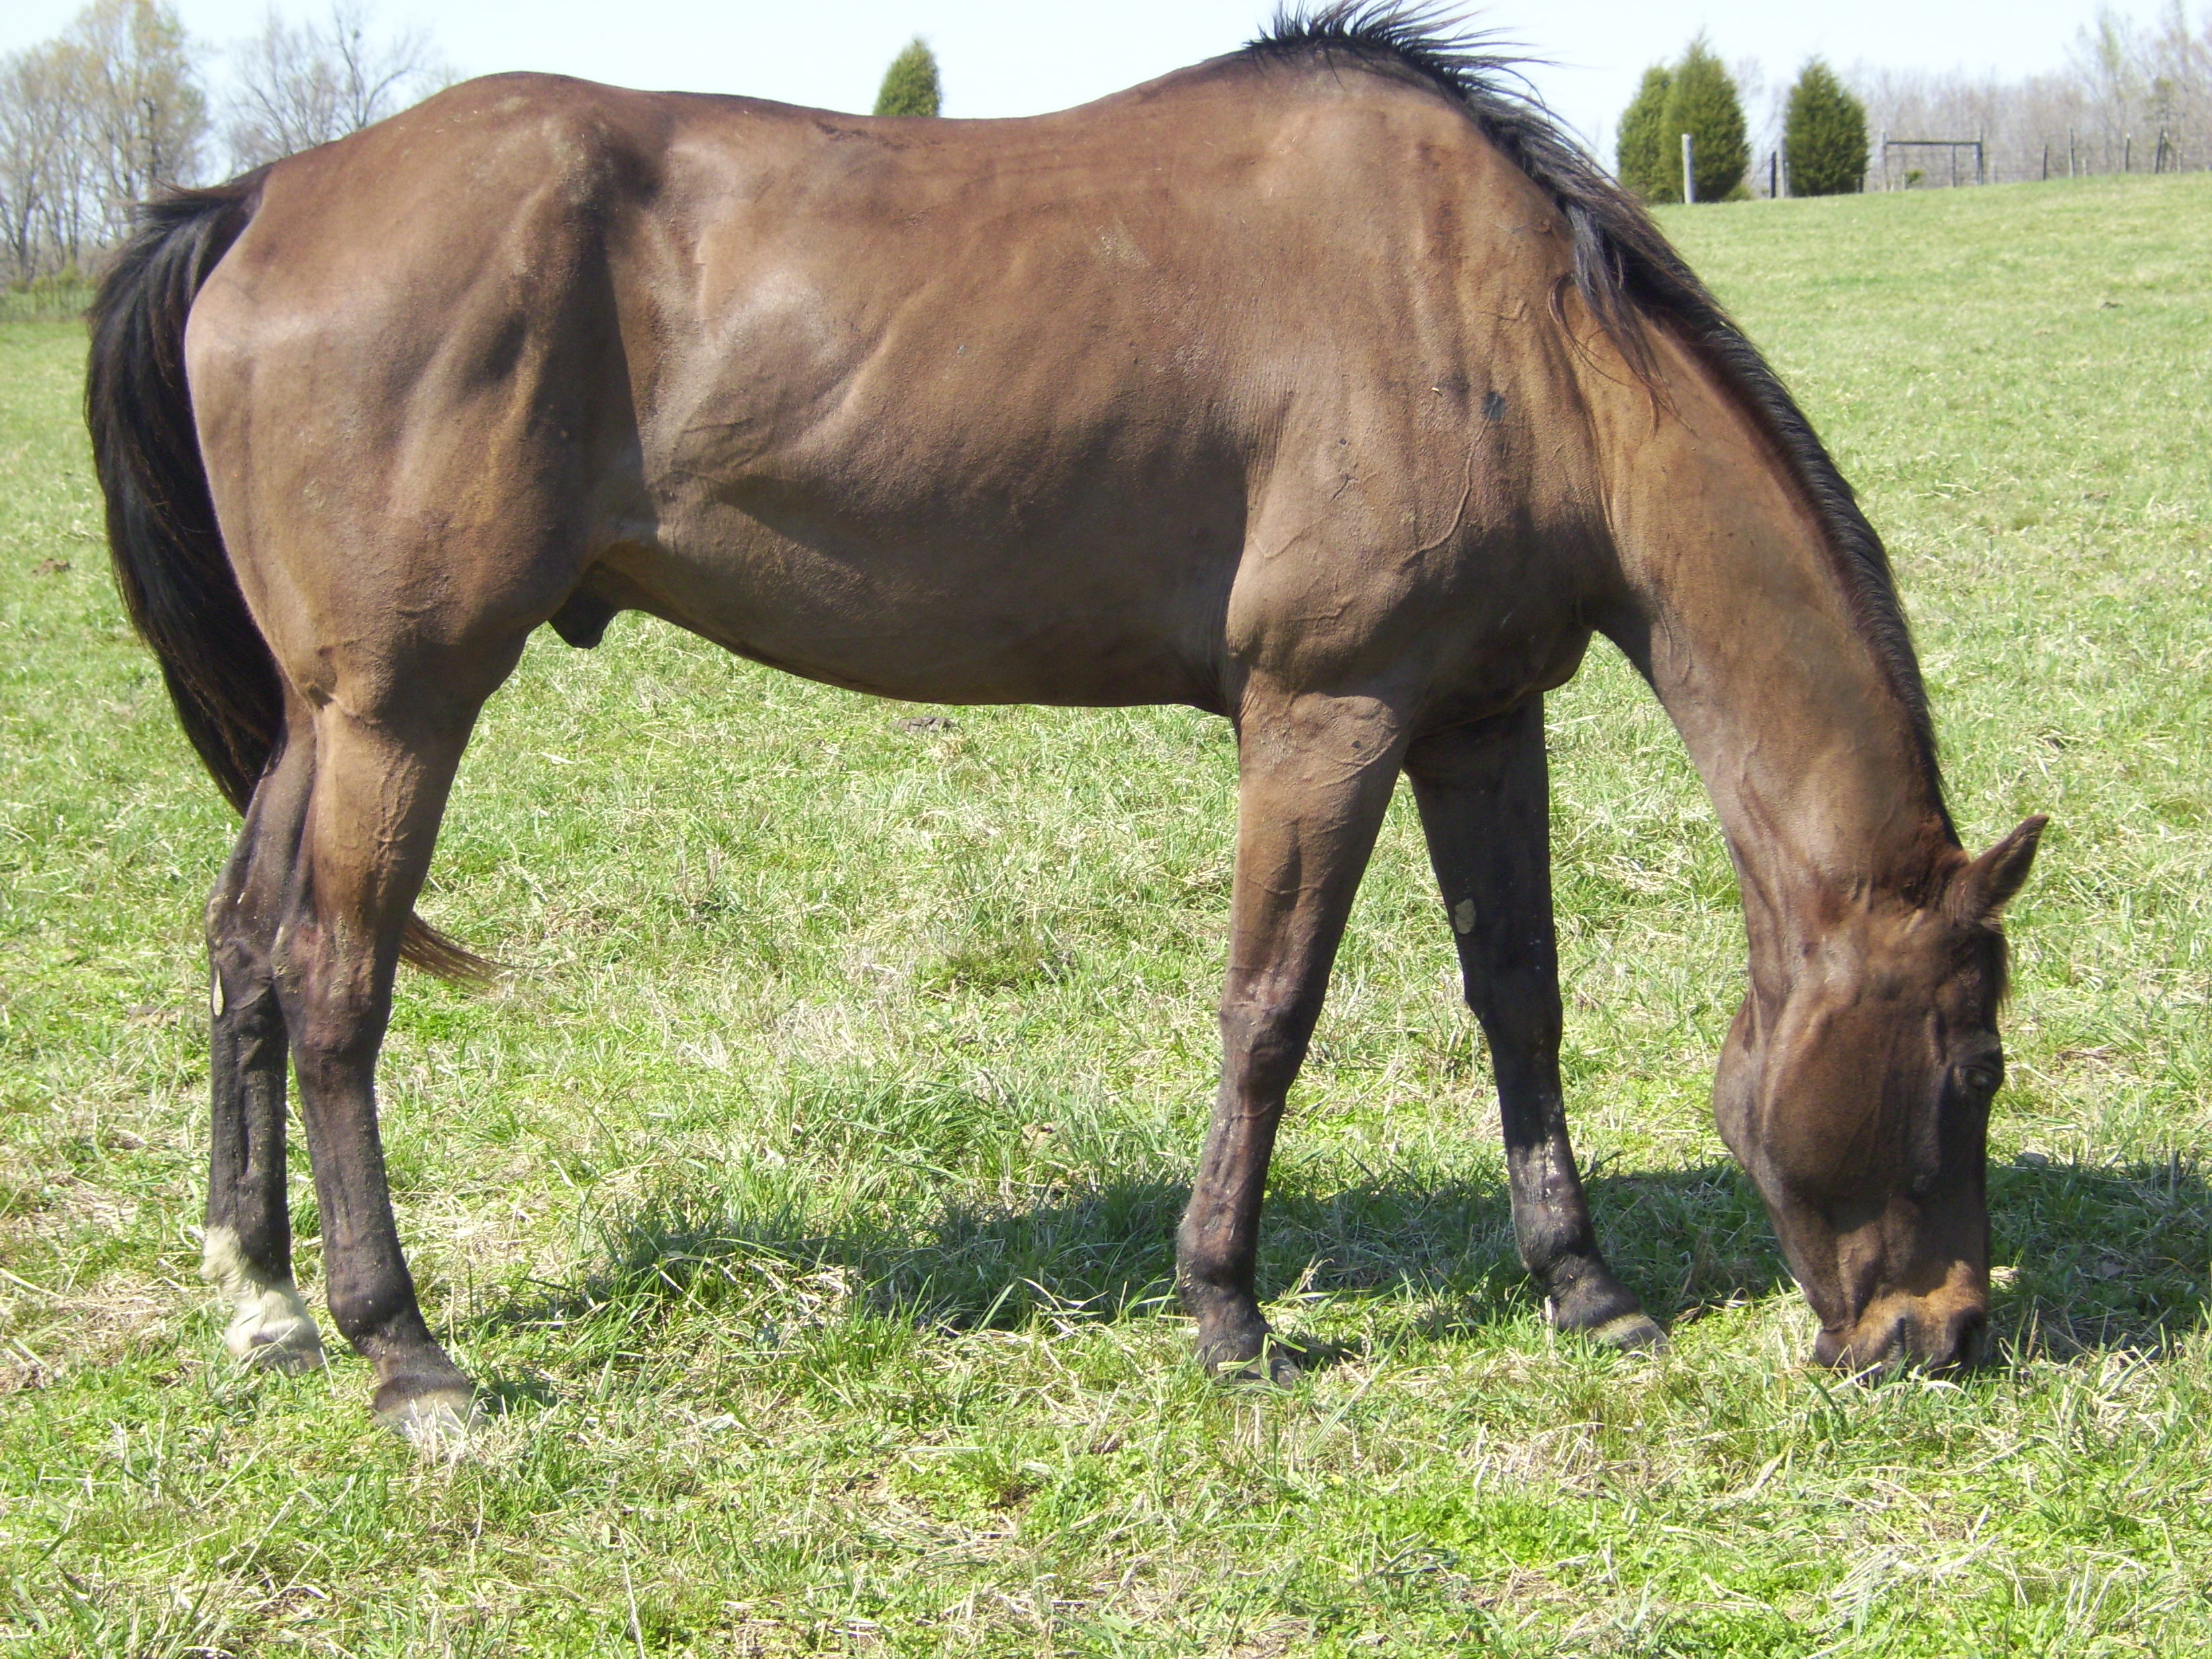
<point>906,610</point>
<point>985,534</point>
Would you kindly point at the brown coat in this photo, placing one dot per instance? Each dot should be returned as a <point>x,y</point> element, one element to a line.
<point>1322,387</point>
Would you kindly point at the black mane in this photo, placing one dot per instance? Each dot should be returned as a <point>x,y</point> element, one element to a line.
<point>1627,273</point>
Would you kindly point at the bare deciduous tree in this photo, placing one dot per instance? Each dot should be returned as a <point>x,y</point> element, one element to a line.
<point>111,112</point>
<point>40,157</point>
<point>304,84</point>
<point>2175,66</point>
<point>2123,90</point>
<point>91,123</point>
<point>144,115</point>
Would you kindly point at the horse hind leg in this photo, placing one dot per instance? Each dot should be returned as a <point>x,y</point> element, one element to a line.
<point>381,774</point>
<point>248,1250</point>
<point>1484,797</point>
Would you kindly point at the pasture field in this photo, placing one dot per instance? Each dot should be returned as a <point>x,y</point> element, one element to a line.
<point>803,1194</point>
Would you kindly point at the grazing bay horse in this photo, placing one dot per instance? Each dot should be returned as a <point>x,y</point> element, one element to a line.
<point>1325,386</point>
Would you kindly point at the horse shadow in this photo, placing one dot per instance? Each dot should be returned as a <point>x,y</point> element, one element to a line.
<point>2086,1257</point>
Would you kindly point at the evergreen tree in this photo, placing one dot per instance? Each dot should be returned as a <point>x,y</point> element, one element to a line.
<point>1701,101</point>
<point>910,84</point>
<point>1824,136</point>
<point>1642,168</point>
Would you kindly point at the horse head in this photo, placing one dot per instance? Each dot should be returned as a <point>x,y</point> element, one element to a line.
<point>1857,1098</point>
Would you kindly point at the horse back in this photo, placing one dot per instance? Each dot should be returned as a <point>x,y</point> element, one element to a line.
<point>1246,367</point>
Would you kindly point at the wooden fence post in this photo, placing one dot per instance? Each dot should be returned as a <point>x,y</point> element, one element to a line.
<point>1689,179</point>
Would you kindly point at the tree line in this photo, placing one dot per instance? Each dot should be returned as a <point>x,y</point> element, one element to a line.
<point>2129,98</point>
<point>116,108</point>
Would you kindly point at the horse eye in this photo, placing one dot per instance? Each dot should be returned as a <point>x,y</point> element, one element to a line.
<point>1982,1079</point>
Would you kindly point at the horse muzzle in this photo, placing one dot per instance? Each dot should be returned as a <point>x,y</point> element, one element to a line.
<point>1945,1332</point>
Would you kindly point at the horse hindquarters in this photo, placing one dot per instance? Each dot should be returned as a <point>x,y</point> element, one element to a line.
<point>410,462</point>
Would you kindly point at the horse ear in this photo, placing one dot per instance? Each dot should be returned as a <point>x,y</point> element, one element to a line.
<point>1983,888</point>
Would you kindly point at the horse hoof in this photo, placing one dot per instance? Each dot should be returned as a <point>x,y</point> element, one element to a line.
<point>431,1416</point>
<point>1599,1308</point>
<point>1631,1333</point>
<point>1629,1330</point>
<point>1270,1361</point>
<point>276,1333</point>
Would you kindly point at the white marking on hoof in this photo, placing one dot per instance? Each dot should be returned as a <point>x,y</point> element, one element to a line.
<point>1463,916</point>
<point>270,1326</point>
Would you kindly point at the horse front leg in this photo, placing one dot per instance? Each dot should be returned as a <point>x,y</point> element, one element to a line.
<point>1484,796</point>
<point>379,791</point>
<point>1314,777</point>
<point>247,1251</point>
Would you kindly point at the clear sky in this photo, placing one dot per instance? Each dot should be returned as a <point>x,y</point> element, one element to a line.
<point>1020,57</point>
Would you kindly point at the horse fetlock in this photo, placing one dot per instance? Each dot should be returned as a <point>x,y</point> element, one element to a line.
<point>276,1333</point>
<point>1558,1254</point>
<point>379,1316</point>
<point>270,1327</point>
<point>1231,1335</point>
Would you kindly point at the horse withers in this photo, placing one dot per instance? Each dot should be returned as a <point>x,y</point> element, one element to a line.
<point>1324,387</point>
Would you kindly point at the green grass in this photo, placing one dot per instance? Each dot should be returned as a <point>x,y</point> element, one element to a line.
<point>803,1195</point>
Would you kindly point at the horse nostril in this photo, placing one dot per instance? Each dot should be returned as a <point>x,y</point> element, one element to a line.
<point>1899,1347</point>
<point>1969,1338</point>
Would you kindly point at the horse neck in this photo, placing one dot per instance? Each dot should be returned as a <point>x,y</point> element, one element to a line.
<point>1738,613</point>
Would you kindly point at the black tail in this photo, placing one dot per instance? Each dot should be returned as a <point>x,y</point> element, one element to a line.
<point>168,553</point>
